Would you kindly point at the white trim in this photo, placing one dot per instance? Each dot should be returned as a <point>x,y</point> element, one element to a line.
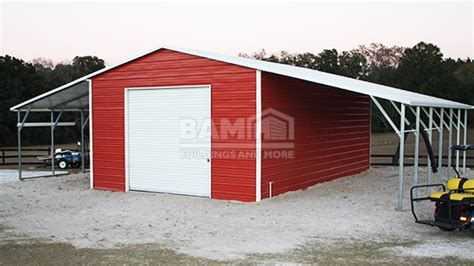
<point>210,144</point>
<point>126,90</point>
<point>349,84</point>
<point>258,136</point>
<point>169,87</point>
<point>91,139</point>
<point>125,129</point>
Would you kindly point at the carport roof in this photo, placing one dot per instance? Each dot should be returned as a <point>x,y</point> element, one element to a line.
<point>74,95</point>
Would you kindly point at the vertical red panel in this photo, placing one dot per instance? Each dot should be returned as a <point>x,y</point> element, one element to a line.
<point>331,134</point>
<point>233,99</point>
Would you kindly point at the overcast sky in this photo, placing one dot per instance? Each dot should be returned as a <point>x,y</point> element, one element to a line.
<point>116,31</point>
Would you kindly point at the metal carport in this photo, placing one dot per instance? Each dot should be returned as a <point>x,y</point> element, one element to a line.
<point>72,97</point>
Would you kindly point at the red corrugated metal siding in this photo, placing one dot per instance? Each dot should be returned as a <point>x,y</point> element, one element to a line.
<point>233,97</point>
<point>332,133</point>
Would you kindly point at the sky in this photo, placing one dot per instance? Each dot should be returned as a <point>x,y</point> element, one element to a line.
<point>117,31</point>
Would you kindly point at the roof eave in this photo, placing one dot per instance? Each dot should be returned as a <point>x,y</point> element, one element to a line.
<point>447,105</point>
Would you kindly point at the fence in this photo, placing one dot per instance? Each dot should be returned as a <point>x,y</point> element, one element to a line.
<point>386,160</point>
<point>9,156</point>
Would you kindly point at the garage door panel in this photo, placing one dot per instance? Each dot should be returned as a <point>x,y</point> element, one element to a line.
<point>155,142</point>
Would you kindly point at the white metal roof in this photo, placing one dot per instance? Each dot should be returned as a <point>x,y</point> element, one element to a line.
<point>54,97</point>
<point>72,96</point>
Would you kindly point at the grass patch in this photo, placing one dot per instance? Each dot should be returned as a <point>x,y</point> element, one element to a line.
<point>65,254</point>
<point>351,252</point>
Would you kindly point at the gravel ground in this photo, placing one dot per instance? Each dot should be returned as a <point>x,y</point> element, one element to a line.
<point>341,213</point>
<point>7,175</point>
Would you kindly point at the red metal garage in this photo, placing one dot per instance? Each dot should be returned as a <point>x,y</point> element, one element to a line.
<point>195,123</point>
<point>332,128</point>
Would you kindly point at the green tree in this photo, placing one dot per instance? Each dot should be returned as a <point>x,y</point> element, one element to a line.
<point>20,81</point>
<point>421,69</point>
<point>328,61</point>
<point>84,65</point>
<point>381,62</point>
<point>352,64</point>
<point>464,76</point>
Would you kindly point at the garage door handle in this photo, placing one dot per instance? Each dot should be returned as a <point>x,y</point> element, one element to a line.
<point>208,160</point>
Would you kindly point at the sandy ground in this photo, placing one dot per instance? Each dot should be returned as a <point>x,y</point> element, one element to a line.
<point>354,215</point>
<point>7,175</point>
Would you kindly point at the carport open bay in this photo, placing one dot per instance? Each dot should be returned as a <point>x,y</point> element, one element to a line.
<point>355,214</point>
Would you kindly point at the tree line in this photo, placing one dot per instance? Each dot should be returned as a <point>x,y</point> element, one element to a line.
<point>421,68</point>
<point>20,81</point>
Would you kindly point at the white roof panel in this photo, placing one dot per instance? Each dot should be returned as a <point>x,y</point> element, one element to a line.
<point>349,84</point>
<point>71,96</point>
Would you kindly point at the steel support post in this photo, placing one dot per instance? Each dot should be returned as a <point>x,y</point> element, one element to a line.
<point>20,124</point>
<point>401,134</point>
<point>464,142</point>
<point>417,149</point>
<point>458,137</point>
<point>19,144</point>
<point>450,141</point>
<point>52,143</point>
<point>83,164</point>
<point>430,138</point>
<point>440,145</point>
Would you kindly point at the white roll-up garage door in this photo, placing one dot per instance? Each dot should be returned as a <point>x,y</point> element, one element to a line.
<point>168,140</point>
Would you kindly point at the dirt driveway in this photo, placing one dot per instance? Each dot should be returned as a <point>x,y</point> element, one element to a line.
<point>349,220</point>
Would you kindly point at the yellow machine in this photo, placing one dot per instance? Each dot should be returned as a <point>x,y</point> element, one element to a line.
<point>454,205</point>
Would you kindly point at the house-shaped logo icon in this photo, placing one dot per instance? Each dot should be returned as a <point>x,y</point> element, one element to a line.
<point>277,126</point>
<point>278,129</point>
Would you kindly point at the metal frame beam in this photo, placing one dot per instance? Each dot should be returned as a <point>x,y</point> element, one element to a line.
<point>83,124</point>
<point>450,141</point>
<point>47,124</point>
<point>440,115</point>
<point>399,112</point>
<point>384,113</point>
<point>401,159</point>
<point>430,139</point>
<point>47,110</point>
<point>18,115</point>
<point>54,123</point>
<point>21,123</point>
<point>427,113</point>
<point>458,137</point>
<point>414,112</point>
<point>417,149</point>
<point>442,120</point>
<point>464,142</point>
